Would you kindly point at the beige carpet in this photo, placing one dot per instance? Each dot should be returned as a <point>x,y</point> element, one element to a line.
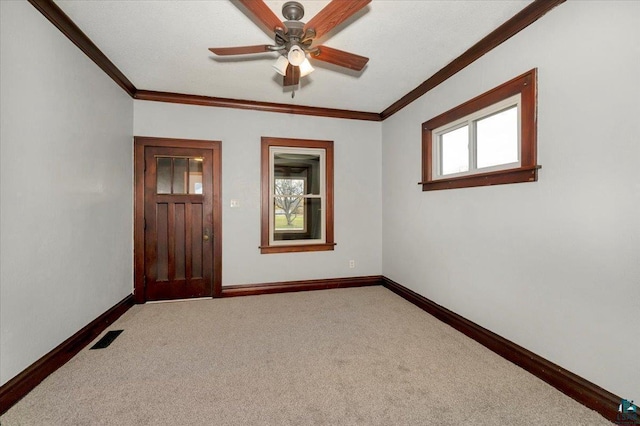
<point>331,357</point>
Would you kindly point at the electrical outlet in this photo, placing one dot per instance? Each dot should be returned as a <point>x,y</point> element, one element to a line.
<point>352,264</point>
<point>235,203</point>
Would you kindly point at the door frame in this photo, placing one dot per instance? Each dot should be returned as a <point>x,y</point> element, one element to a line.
<point>140,143</point>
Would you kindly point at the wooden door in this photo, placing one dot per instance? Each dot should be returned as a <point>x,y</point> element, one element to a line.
<point>181,214</point>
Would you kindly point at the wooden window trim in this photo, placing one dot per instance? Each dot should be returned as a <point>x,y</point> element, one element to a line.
<point>267,143</point>
<point>526,86</point>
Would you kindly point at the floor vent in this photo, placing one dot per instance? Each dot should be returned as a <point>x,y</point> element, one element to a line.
<point>107,339</point>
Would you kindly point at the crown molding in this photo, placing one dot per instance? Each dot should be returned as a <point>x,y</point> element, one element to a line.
<point>179,98</point>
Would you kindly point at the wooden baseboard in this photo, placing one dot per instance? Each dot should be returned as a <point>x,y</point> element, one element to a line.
<point>582,390</point>
<point>306,285</point>
<point>16,388</point>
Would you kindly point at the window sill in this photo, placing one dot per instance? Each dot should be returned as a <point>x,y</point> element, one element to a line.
<point>296,248</point>
<point>500,177</point>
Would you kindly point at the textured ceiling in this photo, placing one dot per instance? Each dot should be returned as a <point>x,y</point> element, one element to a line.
<point>162,45</point>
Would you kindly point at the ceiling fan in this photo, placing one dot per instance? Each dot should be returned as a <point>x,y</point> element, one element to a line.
<point>294,38</point>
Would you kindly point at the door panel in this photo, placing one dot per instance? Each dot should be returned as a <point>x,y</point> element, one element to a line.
<point>178,215</point>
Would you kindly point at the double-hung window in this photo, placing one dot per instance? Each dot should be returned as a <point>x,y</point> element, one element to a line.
<point>489,140</point>
<point>297,195</point>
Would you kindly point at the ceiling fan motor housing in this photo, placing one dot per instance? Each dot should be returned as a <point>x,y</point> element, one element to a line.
<point>295,35</point>
<point>293,11</point>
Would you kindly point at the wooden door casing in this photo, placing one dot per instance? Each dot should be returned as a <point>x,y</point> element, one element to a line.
<point>175,225</point>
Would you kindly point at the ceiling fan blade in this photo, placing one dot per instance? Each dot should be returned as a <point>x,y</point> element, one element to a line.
<point>264,14</point>
<point>292,77</point>
<point>333,15</point>
<point>242,50</point>
<point>339,57</point>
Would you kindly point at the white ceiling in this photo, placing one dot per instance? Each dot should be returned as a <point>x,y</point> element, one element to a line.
<point>162,45</point>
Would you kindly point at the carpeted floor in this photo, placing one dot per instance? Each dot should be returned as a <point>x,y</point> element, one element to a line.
<point>331,357</point>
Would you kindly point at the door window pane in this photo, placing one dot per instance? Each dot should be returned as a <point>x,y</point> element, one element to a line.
<point>497,138</point>
<point>454,147</point>
<point>163,172</point>
<point>195,176</point>
<point>180,175</point>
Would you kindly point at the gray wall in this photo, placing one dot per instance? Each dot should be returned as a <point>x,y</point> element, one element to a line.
<point>554,265</point>
<point>66,197</point>
<point>357,187</point>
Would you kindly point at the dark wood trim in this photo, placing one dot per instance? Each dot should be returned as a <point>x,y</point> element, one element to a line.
<point>58,18</point>
<point>265,174</point>
<point>517,23</point>
<point>294,248</point>
<point>500,177</point>
<point>217,219</point>
<point>173,142</point>
<point>578,388</point>
<point>138,220</point>
<point>305,285</point>
<point>140,143</point>
<point>16,388</point>
<point>178,98</point>
<point>526,86</point>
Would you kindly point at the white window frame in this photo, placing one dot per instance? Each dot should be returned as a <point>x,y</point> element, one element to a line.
<point>471,121</point>
<point>273,150</point>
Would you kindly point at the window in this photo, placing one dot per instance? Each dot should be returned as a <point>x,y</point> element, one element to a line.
<point>297,195</point>
<point>489,140</point>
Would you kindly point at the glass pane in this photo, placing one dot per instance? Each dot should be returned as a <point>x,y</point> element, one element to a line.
<point>289,214</point>
<point>289,186</point>
<point>304,221</point>
<point>163,175</point>
<point>497,138</point>
<point>301,166</point>
<point>455,151</point>
<point>179,175</point>
<point>195,176</point>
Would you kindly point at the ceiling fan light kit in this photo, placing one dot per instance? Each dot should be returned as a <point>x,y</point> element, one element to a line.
<point>296,56</point>
<point>294,38</point>
<point>306,68</point>
<point>281,65</point>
